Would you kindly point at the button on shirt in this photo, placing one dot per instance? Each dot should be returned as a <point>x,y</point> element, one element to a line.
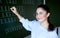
<point>37,31</point>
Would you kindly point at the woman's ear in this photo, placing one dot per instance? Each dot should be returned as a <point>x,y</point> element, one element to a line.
<point>48,14</point>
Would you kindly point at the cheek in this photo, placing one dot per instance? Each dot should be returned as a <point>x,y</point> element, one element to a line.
<point>40,17</point>
<point>43,16</point>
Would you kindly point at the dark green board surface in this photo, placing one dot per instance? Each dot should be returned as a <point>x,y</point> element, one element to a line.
<point>54,6</point>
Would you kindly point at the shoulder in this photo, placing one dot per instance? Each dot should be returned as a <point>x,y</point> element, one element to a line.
<point>34,22</point>
<point>53,34</point>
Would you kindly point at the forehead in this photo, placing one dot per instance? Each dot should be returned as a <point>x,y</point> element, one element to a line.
<point>40,10</point>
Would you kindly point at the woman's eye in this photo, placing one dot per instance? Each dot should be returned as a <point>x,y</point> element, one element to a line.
<point>40,13</point>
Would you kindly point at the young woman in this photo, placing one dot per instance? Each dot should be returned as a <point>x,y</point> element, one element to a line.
<point>40,28</point>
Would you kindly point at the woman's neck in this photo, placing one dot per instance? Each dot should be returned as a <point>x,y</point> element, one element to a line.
<point>45,24</point>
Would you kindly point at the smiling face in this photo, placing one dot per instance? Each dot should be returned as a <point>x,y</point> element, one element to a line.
<point>41,14</point>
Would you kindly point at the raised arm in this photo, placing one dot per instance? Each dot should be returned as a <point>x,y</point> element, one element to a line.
<point>26,23</point>
<point>14,10</point>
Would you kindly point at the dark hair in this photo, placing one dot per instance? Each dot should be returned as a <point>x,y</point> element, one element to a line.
<point>45,7</point>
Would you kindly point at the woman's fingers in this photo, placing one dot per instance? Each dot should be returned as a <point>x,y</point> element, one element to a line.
<point>13,9</point>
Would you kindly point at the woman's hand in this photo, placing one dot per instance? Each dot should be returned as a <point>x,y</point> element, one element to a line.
<point>14,10</point>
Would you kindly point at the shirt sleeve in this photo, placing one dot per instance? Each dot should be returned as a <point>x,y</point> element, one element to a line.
<point>26,24</point>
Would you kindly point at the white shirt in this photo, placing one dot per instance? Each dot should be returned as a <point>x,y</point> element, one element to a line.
<point>37,31</point>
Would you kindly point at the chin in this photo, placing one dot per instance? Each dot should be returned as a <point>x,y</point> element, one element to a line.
<point>40,20</point>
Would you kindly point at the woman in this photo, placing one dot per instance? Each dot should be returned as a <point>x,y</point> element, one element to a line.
<point>40,28</point>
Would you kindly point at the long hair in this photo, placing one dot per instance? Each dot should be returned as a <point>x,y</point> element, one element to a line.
<point>45,7</point>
